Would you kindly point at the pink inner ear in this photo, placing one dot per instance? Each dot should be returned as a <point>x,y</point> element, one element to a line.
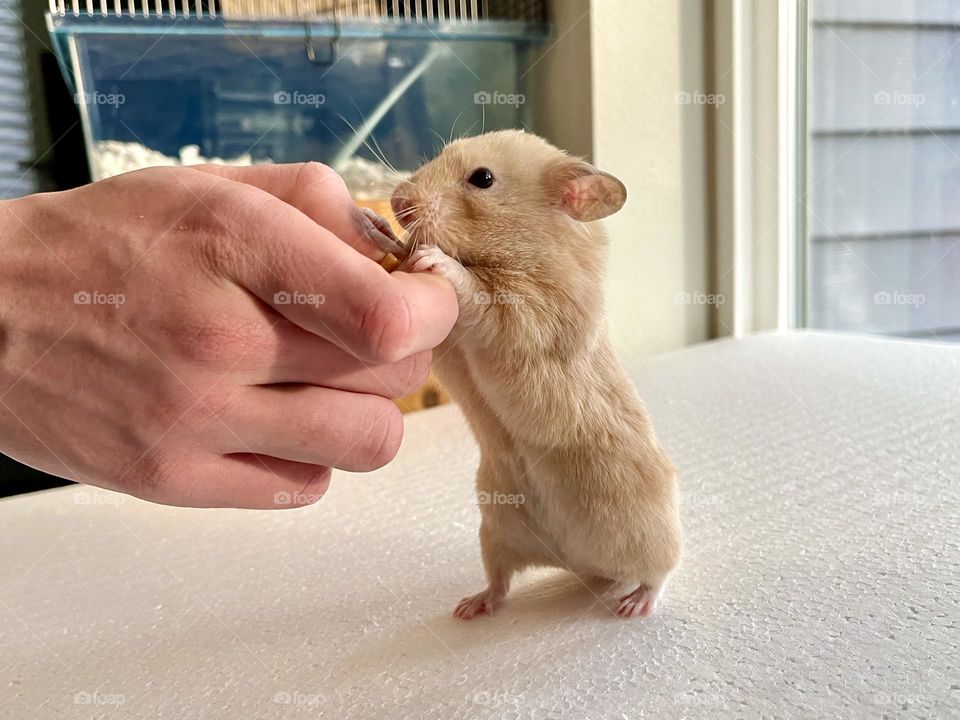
<point>592,197</point>
<point>575,198</point>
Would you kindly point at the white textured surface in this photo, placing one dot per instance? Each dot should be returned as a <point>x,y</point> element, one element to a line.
<point>820,487</point>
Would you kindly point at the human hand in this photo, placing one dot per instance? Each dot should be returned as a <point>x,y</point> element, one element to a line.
<point>207,336</point>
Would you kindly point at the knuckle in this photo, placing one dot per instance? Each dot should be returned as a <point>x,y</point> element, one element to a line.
<point>384,328</point>
<point>382,441</point>
<point>217,227</point>
<point>210,241</point>
<point>214,342</point>
<point>313,177</point>
<point>161,174</point>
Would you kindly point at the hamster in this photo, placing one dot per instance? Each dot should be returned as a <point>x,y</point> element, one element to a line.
<point>571,473</point>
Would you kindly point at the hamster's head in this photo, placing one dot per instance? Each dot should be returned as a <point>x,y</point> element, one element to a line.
<point>503,196</point>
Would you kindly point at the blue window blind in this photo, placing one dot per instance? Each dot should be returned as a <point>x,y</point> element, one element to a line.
<point>16,142</point>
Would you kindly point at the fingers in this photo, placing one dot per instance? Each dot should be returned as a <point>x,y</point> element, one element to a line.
<point>314,425</point>
<point>311,277</point>
<point>302,358</point>
<point>256,347</point>
<point>249,481</point>
<point>263,350</point>
<point>316,191</point>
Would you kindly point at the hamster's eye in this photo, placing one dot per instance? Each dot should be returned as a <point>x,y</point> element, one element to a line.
<point>481,178</point>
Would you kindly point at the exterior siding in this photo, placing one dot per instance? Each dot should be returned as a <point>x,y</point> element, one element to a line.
<point>883,187</point>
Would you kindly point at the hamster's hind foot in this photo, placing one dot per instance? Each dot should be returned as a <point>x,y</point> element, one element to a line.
<point>641,602</point>
<point>482,602</point>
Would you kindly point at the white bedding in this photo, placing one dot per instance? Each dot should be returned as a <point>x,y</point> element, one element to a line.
<point>820,482</point>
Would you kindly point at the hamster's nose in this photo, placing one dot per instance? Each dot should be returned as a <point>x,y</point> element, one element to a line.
<point>400,203</point>
<point>403,206</point>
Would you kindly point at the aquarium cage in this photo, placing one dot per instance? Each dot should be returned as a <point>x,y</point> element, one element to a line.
<point>361,85</point>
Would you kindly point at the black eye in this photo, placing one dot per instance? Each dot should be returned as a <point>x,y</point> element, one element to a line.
<point>481,178</point>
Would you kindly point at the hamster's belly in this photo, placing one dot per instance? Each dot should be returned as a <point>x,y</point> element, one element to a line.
<point>599,538</point>
<point>547,515</point>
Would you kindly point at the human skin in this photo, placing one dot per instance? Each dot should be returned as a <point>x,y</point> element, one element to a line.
<point>208,337</point>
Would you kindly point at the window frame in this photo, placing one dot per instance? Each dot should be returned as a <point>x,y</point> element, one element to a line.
<point>759,167</point>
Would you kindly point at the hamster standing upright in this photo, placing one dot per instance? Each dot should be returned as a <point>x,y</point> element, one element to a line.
<point>509,220</point>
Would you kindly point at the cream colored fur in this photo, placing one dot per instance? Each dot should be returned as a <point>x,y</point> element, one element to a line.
<point>557,419</point>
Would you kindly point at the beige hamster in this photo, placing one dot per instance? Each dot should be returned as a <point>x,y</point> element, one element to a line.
<point>571,474</point>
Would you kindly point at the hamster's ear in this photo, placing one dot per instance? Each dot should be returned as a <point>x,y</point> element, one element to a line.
<point>586,194</point>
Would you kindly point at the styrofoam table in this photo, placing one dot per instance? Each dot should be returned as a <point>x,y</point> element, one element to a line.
<point>820,483</point>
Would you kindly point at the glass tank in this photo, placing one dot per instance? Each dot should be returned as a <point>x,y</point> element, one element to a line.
<point>362,97</point>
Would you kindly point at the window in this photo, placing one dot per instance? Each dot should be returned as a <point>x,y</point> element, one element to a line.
<point>881,216</point>
<point>16,144</point>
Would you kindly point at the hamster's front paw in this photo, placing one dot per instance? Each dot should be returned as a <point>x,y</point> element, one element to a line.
<point>427,258</point>
<point>430,258</point>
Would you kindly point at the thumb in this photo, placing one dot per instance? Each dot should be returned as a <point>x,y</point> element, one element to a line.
<point>316,191</point>
<point>295,264</point>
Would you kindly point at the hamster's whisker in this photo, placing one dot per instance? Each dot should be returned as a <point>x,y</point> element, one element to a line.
<point>454,127</point>
<point>380,156</point>
<point>416,238</point>
<point>443,143</point>
<point>406,212</point>
<point>410,237</point>
<point>415,206</point>
<point>467,131</point>
<point>383,155</point>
